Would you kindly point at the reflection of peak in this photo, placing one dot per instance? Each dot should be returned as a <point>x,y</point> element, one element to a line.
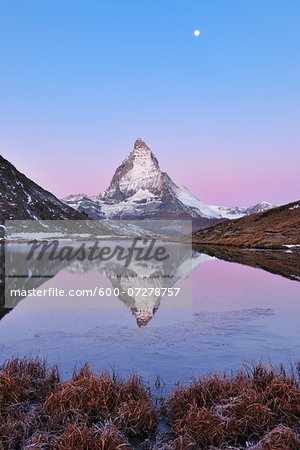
<point>153,276</point>
<point>143,315</point>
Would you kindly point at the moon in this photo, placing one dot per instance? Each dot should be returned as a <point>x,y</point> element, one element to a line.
<point>197,33</point>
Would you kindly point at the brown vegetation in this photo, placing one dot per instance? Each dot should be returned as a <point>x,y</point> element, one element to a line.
<point>76,437</point>
<point>222,411</point>
<point>271,229</point>
<point>87,412</point>
<point>24,380</point>
<point>256,407</point>
<point>88,398</point>
<point>279,438</point>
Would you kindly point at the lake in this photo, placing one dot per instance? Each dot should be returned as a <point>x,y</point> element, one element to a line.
<point>244,307</point>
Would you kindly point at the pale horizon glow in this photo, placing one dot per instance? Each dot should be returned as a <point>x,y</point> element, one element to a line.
<point>221,114</point>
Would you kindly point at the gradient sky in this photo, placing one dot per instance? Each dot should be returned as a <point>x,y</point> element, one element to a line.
<point>81,80</point>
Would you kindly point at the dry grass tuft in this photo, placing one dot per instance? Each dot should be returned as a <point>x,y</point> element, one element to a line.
<point>256,405</point>
<point>89,398</point>
<point>26,379</point>
<point>224,411</point>
<point>85,438</point>
<point>36,411</point>
<point>24,384</point>
<point>281,438</point>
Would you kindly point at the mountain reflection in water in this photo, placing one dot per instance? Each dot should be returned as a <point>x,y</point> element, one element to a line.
<point>237,313</point>
<point>152,276</point>
<point>140,274</point>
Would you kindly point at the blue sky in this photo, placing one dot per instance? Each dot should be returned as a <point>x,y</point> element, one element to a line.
<point>81,80</point>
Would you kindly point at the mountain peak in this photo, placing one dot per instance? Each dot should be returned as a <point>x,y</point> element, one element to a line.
<point>139,143</point>
<point>140,189</point>
<point>139,176</point>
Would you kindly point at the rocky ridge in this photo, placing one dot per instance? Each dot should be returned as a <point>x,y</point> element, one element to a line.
<point>140,190</point>
<point>21,198</point>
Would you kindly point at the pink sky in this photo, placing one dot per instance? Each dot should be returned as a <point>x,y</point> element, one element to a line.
<point>215,177</point>
<point>219,111</point>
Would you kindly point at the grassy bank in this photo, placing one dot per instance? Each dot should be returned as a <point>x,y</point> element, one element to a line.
<point>276,228</point>
<point>257,408</point>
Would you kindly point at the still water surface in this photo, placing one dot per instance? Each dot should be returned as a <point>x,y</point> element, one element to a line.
<point>238,314</point>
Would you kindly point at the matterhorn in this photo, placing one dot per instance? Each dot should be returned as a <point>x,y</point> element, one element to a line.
<point>140,190</point>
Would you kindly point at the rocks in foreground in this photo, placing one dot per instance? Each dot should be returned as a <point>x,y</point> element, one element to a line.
<point>276,228</point>
<point>255,408</point>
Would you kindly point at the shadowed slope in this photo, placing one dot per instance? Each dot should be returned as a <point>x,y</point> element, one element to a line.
<point>275,228</point>
<point>21,198</point>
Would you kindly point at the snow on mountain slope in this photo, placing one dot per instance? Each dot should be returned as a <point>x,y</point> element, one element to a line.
<point>188,199</point>
<point>139,189</point>
<point>138,172</point>
<point>236,212</point>
<point>21,198</point>
<point>141,195</point>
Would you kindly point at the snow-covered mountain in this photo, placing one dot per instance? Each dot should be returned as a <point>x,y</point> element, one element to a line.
<point>21,198</point>
<point>139,189</point>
